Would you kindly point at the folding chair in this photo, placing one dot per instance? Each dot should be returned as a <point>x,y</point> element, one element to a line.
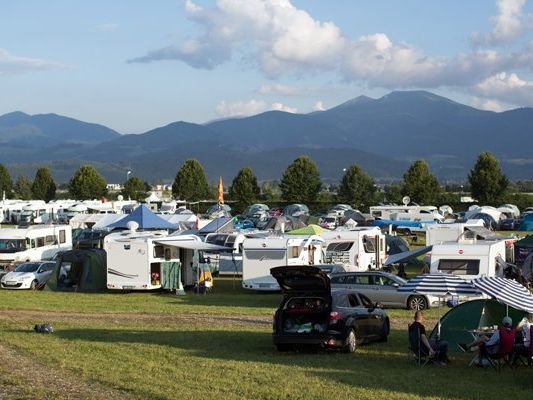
<point>525,356</point>
<point>415,352</point>
<point>505,354</point>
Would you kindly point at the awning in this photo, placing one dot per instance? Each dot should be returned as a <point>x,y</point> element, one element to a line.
<point>193,245</point>
<point>406,255</point>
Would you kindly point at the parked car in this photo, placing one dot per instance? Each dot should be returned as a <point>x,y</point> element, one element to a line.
<point>29,275</point>
<point>327,222</point>
<point>239,222</point>
<point>383,287</point>
<point>311,314</point>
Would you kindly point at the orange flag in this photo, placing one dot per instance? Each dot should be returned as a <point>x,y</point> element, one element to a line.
<point>220,191</point>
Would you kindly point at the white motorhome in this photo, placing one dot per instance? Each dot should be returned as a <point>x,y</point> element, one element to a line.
<point>135,259</point>
<point>407,213</point>
<point>37,213</point>
<point>261,254</point>
<point>360,249</point>
<point>469,258</point>
<point>227,263</point>
<point>36,242</point>
<point>449,232</point>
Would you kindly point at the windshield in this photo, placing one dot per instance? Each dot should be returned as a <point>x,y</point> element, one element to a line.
<point>12,245</point>
<point>28,267</point>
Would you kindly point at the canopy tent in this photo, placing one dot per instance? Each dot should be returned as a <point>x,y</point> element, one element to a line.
<point>145,218</point>
<point>506,291</point>
<point>81,270</point>
<point>456,323</point>
<point>522,249</point>
<point>311,229</point>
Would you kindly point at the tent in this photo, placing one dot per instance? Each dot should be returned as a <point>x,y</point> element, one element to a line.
<point>522,248</point>
<point>456,323</point>
<point>308,230</point>
<point>145,218</point>
<point>79,271</point>
<point>395,245</point>
<point>527,223</point>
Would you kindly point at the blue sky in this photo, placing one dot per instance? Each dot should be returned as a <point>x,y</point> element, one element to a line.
<point>135,65</point>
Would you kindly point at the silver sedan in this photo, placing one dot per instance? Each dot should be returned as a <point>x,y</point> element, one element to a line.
<point>382,287</point>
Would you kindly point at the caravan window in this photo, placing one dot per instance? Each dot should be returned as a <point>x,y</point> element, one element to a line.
<point>62,236</point>
<point>159,251</point>
<point>294,251</point>
<point>50,239</point>
<point>40,242</point>
<point>231,241</point>
<point>459,267</point>
<point>368,244</point>
<point>340,246</point>
<point>11,245</point>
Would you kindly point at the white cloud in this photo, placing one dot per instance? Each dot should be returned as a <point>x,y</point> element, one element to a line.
<point>283,107</point>
<point>488,105</point>
<point>506,87</point>
<point>105,28</point>
<point>279,89</point>
<point>319,106</point>
<point>240,108</point>
<point>11,64</point>
<point>510,23</point>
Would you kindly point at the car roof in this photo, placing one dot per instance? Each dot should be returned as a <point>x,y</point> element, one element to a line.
<point>387,274</point>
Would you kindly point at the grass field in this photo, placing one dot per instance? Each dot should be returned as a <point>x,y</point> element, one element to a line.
<point>161,346</point>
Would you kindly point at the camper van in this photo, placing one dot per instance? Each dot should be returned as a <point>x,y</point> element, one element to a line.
<point>360,249</point>
<point>469,258</point>
<point>36,213</point>
<point>141,260</point>
<point>407,213</point>
<point>227,263</point>
<point>261,254</point>
<point>37,242</point>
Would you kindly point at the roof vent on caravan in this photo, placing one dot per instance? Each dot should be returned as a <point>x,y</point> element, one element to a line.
<point>132,226</point>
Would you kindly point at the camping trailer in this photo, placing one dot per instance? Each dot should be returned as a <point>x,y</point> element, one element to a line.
<point>448,232</point>
<point>406,213</point>
<point>33,243</point>
<point>360,249</point>
<point>262,254</point>
<point>151,260</point>
<point>227,263</point>
<point>469,258</point>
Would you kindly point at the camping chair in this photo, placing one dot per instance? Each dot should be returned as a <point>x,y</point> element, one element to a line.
<point>526,357</point>
<point>505,354</point>
<point>416,353</point>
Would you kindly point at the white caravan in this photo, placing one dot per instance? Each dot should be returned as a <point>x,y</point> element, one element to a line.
<point>407,213</point>
<point>469,258</point>
<point>360,249</point>
<point>261,254</point>
<point>34,243</point>
<point>227,263</point>
<point>37,213</point>
<point>449,232</point>
<point>135,259</point>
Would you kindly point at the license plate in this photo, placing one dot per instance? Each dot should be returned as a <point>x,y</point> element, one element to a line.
<point>128,287</point>
<point>11,283</point>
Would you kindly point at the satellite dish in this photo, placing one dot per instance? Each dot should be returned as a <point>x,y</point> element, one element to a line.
<point>132,226</point>
<point>406,200</point>
<point>120,197</point>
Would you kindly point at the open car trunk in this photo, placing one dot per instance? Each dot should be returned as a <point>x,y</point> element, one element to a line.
<point>305,315</point>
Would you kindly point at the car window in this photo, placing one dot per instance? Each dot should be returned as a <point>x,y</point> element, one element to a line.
<point>364,280</point>
<point>384,281</point>
<point>338,279</point>
<point>365,301</point>
<point>350,280</point>
<point>47,267</point>
<point>354,301</point>
<point>341,300</point>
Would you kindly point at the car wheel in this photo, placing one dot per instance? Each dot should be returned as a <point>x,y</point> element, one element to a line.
<point>34,284</point>
<point>284,347</point>
<point>385,329</point>
<point>417,303</point>
<point>351,342</point>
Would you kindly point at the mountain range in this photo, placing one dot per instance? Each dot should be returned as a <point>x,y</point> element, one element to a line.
<point>382,135</point>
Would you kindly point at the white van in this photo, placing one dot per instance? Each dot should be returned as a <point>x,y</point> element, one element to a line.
<point>33,243</point>
<point>262,254</point>
<point>360,249</point>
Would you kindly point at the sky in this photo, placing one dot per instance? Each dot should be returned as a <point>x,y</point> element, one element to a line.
<point>134,65</point>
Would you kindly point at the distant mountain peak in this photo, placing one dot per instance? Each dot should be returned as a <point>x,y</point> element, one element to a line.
<point>402,95</point>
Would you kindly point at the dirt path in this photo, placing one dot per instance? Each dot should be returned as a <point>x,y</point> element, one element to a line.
<point>22,377</point>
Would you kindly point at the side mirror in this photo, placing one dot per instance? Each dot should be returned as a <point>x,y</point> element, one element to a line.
<point>396,285</point>
<point>377,305</point>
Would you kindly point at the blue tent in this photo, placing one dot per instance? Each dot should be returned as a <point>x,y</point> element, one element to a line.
<point>527,223</point>
<point>145,218</point>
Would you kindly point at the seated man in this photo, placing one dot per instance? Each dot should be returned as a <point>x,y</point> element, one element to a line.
<point>499,344</point>
<point>523,347</point>
<point>431,348</point>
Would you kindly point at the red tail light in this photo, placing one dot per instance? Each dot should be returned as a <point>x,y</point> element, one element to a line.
<point>335,316</point>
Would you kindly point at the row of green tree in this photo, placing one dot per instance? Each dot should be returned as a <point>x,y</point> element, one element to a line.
<point>300,183</point>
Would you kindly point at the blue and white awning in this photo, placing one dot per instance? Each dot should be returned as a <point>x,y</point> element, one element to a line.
<point>439,285</point>
<point>506,291</point>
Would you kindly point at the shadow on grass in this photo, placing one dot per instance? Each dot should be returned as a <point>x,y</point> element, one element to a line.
<point>375,366</point>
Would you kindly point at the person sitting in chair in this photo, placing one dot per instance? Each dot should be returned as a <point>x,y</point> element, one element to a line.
<point>525,327</point>
<point>433,349</point>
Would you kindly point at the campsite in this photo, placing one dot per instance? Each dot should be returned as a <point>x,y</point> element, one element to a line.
<point>141,345</point>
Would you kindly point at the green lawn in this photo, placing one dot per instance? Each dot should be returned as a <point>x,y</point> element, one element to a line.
<point>158,346</point>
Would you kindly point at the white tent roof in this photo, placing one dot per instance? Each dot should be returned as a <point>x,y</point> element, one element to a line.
<point>153,198</point>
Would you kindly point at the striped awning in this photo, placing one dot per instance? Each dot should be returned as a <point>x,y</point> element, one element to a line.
<point>439,285</point>
<point>506,291</point>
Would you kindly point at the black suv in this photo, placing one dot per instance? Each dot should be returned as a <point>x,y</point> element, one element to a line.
<point>311,314</point>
